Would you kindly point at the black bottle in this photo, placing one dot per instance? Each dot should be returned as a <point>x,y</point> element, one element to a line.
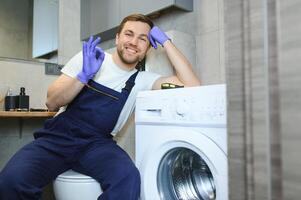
<point>10,101</point>
<point>22,101</point>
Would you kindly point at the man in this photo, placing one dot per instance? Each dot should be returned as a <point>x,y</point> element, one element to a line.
<point>100,91</point>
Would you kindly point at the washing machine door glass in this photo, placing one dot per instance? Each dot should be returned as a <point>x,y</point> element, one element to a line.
<point>184,175</point>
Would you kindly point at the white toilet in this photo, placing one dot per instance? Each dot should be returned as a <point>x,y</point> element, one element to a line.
<point>72,185</point>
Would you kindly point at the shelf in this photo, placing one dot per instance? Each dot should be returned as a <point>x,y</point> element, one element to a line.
<point>26,114</point>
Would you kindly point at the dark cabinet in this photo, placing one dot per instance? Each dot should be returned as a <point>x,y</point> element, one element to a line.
<point>148,7</point>
<point>99,16</point>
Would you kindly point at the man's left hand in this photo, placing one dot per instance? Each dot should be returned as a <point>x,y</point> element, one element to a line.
<point>156,35</point>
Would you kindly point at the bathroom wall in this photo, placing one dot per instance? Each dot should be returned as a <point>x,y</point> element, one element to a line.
<point>210,54</point>
<point>289,16</point>
<point>14,74</point>
<point>263,46</point>
<point>69,30</point>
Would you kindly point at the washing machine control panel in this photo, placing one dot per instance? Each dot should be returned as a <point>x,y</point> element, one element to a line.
<point>197,105</point>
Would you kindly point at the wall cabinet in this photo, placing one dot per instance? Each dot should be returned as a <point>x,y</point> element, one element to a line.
<point>148,7</point>
<point>101,17</point>
<point>45,27</point>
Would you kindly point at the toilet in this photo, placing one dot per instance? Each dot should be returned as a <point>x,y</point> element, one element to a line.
<point>72,185</point>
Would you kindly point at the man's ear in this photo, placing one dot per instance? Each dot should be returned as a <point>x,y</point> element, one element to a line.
<point>116,38</point>
<point>148,48</point>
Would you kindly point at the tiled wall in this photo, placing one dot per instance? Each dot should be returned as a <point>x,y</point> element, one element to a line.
<point>17,73</point>
<point>30,75</point>
<point>290,104</point>
<point>210,41</point>
<point>263,84</point>
<point>69,30</point>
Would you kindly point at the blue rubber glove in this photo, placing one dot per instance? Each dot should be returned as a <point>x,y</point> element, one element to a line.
<point>93,57</point>
<point>156,35</point>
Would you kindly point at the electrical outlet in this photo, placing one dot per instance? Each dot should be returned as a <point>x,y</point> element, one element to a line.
<point>53,69</point>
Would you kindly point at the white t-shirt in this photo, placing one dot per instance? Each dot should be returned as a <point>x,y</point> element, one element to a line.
<point>112,76</point>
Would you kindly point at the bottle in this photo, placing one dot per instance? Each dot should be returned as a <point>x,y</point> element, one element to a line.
<point>22,101</point>
<point>10,101</point>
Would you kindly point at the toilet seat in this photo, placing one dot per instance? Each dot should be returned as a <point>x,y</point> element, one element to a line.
<point>72,185</point>
<point>73,176</point>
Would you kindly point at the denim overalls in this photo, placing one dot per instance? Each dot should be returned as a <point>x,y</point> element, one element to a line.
<point>77,139</point>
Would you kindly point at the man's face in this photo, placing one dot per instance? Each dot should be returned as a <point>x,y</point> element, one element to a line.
<point>132,42</point>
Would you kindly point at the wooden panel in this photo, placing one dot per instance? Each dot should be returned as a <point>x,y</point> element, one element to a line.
<point>290,81</point>
<point>234,78</point>
<point>253,99</point>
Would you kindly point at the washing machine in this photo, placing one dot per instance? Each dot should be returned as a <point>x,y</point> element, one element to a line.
<point>181,143</point>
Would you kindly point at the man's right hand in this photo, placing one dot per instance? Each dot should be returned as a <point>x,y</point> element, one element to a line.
<point>93,57</point>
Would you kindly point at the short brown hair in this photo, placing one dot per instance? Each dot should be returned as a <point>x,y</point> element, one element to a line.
<point>135,17</point>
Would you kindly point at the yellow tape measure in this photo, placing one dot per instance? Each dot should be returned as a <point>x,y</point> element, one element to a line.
<point>170,86</point>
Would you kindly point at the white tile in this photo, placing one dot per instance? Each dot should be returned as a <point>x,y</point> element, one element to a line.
<point>208,58</point>
<point>157,60</point>
<point>24,78</point>
<point>69,30</point>
<point>207,15</point>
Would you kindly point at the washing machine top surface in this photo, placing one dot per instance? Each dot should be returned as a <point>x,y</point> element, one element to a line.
<point>192,106</point>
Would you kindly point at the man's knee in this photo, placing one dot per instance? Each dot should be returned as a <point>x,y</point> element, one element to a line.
<point>133,174</point>
<point>17,180</point>
<point>9,184</point>
<point>17,186</point>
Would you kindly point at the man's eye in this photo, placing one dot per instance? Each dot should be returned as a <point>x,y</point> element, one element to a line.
<point>143,39</point>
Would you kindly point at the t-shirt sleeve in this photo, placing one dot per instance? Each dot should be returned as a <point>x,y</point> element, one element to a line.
<point>74,65</point>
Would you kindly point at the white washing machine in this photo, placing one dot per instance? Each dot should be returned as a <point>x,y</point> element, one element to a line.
<point>181,143</point>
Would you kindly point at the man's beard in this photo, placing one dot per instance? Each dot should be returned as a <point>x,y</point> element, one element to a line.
<point>127,61</point>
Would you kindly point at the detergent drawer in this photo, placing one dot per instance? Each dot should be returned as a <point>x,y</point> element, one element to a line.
<point>204,105</point>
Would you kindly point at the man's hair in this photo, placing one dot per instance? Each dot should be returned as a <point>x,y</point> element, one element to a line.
<point>135,17</point>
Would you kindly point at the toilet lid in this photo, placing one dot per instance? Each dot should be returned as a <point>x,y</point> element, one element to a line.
<point>70,174</point>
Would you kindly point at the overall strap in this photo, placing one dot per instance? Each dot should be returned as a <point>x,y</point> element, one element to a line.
<point>129,84</point>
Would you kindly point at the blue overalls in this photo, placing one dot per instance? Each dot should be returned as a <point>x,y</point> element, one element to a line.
<point>77,139</point>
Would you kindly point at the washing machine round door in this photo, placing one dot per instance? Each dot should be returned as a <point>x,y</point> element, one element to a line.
<point>183,174</point>
<point>183,165</point>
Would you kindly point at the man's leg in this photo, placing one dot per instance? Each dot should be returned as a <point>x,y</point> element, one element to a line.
<point>113,169</point>
<point>29,170</point>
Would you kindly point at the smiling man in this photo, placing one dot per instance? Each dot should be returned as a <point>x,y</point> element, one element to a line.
<point>96,94</point>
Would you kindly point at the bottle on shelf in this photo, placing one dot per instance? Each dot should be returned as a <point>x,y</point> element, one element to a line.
<point>10,101</point>
<point>22,101</point>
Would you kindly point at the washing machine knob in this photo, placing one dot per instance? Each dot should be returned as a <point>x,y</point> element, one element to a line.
<point>182,108</point>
